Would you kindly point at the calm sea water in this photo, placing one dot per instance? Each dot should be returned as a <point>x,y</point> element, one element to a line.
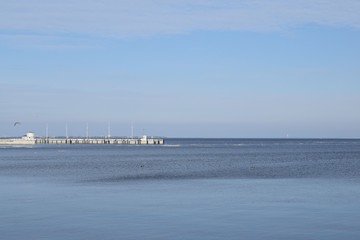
<point>186,189</point>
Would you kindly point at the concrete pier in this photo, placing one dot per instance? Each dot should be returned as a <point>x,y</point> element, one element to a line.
<point>124,141</point>
<point>30,138</point>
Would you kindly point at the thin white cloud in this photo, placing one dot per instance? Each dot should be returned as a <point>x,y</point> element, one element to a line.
<point>134,18</point>
<point>46,41</point>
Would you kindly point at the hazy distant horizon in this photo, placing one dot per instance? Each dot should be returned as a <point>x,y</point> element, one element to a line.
<point>166,130</point>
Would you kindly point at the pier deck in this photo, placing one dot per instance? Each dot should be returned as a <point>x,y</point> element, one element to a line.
<point>124,141</point>
<point>30,138</point>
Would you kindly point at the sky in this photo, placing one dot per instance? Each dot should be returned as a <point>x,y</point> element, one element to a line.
<point>181,68</point>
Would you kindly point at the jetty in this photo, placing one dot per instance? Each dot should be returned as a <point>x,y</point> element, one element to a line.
<point>29,138</point>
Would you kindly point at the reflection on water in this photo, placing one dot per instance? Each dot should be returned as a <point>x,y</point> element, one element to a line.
<point>188,189</point>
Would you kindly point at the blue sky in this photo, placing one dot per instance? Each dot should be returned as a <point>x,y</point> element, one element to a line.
<point>201,68</point>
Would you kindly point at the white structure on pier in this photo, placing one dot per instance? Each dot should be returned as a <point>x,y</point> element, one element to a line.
<point>27,139</point>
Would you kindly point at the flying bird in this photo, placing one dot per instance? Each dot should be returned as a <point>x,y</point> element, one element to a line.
<point>17,123</point>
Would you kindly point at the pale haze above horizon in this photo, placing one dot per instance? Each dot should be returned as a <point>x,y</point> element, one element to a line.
<point>181,68</point>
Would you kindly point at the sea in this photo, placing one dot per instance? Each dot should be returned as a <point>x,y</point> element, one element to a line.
<point>185,189</point>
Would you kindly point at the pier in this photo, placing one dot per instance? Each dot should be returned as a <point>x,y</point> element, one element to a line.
<point>30,138</point>
<point>123,141</point>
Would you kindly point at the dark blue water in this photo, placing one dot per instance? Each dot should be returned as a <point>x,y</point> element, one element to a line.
<point>186,189</point>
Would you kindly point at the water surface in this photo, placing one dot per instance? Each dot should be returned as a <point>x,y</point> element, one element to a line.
<point>186,189</point>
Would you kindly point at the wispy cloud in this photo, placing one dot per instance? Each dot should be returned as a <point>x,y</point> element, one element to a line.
<point>49,41</point>
<point>134,18</point>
